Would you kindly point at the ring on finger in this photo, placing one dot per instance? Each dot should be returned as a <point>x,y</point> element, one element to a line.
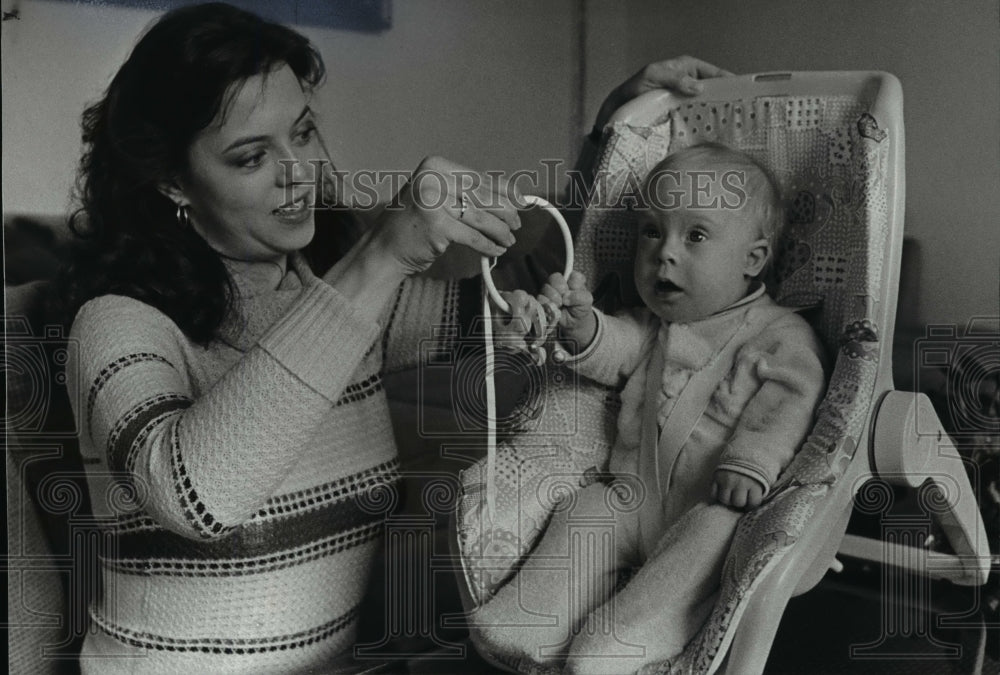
<point>465,205</point>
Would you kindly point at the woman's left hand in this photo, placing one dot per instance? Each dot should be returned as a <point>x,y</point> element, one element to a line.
<point>680,75</point>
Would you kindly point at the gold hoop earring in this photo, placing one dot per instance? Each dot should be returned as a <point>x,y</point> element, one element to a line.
<point>183,219</point>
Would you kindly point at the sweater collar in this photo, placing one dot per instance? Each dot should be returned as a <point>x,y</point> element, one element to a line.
<point>692,344</point>
<point>254,308</point>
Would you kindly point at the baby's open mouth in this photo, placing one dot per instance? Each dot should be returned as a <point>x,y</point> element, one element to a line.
<point>666,286</point>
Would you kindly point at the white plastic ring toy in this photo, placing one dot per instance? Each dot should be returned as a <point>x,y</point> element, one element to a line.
<point>487,262</point>
<point>493,294</point>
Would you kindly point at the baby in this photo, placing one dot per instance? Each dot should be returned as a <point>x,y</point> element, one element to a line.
<point>719,387</point>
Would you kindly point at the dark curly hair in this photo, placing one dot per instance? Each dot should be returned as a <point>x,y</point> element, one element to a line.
<point>173,85</point>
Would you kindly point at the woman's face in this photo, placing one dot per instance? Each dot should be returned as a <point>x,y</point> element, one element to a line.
<point>249,186</point>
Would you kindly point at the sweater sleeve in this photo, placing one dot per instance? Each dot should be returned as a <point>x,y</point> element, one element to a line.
<point>205,461</point>
<point>423,317</point>
<point>617,348</point>
<point>786,362</point>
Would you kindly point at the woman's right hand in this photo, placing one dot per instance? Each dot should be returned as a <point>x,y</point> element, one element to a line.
<point>428,216</point>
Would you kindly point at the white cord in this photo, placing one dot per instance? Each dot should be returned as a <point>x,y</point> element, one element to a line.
<point>491,412</point>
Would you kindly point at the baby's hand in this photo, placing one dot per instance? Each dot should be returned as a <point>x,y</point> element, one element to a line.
<point>577,322</point>
<point>523,317</point>
<point>531,323</point>
<point>736,490</point>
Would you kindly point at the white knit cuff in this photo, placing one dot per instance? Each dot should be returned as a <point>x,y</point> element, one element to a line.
<point>321,339</point>
<point>746,469</point>
<point>573,359</point>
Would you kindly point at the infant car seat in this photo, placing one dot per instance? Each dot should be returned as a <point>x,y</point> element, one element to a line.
<point>834,142</point>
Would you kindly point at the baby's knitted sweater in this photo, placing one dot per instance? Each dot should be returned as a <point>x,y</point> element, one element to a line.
<point>757,416</point>
<point>247,478</point>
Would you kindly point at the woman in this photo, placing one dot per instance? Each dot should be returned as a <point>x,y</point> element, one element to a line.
<point>231,390</point>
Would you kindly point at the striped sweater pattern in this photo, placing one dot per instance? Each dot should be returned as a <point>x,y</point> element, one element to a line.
<point>245,484</point>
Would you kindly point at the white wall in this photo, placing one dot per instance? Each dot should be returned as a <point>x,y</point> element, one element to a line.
<point>487,84</point>
<point>57,57</point>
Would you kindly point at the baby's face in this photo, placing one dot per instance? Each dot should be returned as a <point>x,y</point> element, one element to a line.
<point>699,246</point>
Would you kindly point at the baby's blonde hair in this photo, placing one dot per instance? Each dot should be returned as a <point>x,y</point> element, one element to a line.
<point>764,196</point>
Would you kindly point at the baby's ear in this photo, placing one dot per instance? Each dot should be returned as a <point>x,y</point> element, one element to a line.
<point>758,254</point>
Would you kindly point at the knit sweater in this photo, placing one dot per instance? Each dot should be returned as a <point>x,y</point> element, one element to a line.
<point>757,415</point>
<point>248,478</point>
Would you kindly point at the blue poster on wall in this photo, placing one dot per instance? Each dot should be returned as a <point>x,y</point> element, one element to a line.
<point>370,16</point>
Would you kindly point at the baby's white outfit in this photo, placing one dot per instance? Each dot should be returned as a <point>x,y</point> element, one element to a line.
<point>736,390</point>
